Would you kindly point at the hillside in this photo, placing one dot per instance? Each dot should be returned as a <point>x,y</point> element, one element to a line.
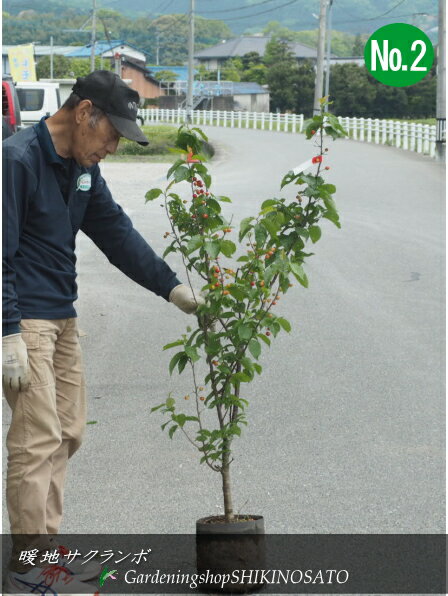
<point>352,16</point>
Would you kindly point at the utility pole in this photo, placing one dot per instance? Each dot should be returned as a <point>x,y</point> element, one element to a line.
<point>51,57</point>
<point>190,63</point>
<point>329,32</point>
<point>320,56</point>
<point>93,38</point>
<point>441,88</point>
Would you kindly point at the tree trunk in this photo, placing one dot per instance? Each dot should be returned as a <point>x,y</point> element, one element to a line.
<point>226,488</point>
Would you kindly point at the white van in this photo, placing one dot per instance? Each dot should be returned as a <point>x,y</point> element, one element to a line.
<point>37,100</point>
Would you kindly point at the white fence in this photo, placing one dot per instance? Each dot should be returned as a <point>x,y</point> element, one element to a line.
<point>406,135</point>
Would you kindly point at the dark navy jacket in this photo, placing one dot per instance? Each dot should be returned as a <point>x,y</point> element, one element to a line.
<point>46,200</point>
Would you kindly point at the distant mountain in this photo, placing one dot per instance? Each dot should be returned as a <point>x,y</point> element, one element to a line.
<point>250,16</point>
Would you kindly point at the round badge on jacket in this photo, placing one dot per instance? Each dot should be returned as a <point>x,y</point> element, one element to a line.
<point>84,182</point>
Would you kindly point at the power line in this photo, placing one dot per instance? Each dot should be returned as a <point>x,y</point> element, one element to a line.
<point>397,16</point>
<point>240,8</point>
<point>356,20</point>
<point>255,14</point>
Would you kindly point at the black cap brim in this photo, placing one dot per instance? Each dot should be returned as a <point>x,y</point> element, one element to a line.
<point>128,129</point>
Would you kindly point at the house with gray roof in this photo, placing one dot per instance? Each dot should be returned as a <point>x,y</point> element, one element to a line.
<point>214,57</point>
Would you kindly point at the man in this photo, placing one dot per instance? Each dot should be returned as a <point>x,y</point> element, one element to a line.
<point>52,188</point>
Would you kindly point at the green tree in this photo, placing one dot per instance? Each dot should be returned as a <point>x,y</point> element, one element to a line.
<point>422,96</point>
<point>61,67</point>
<point>277,52</point>
<point>351,91</point>
<point>166,75</point>
<point>282,75</point>
<point>256,74</point>
<point>389,102</point>
<point>68,68</point>
<point>238,318</point>
<point>341,42</point>
<point>358,46</point>
<point>251,59</point>
<point>306,76</point>
<point>278,31</point>
<point>355,92</point>
<point>232,69</point>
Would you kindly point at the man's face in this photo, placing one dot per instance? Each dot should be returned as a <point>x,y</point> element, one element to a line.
<point>92,144</point>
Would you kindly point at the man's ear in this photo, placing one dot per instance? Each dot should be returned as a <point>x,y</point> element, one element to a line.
<point>83,110</point>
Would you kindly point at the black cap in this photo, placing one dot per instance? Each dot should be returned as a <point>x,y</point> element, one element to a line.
<point>109,93</point>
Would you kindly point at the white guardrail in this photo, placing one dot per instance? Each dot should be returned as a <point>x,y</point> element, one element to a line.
<point>410,136</point>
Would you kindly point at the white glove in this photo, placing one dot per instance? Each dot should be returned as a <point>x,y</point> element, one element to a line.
<point>16,374</point>
<point>185,299</point>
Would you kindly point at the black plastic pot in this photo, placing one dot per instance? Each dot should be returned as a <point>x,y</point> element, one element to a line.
<point>230,551</point>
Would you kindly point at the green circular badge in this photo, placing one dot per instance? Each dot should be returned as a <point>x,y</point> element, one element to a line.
<point>398,55</point>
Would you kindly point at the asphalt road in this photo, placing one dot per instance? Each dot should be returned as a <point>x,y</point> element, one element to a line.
<point>346,429</point>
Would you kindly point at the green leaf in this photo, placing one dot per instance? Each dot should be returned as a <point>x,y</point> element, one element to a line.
<point>299,274</point>
<point>170,402</point>
<point>155,408</point>
<point>182,173</point>
<point>180,419</point>
<point>240,377</point>
<point>254,348</point>
<point>192,353</point>
<point>224,199</point>
<point>260,235</point>
<point>245,226</point>
<point>201,133</point>
<point>175,165</point>
<point>206,177</point>
<point>333,217</point>
<point>336,125</point>
<point>235,430</point>
<point>227,248</point>
<point>194,243</point>
<point>247,364</point>
<point>331,188</point>
<point>269,203</point>
<point>288,178</point>
<point>315,233</point>
<point>153,194</point>
<point>264,338</point>
<point>179,342</point>
<point>214,205</point>
<point>284,323</point>
<point>92,422</point>
<point>330,204</point>
<point>212,248</point>
<point>167,250</point>
<point>271,226</point>
<point>174,360</point>
<point>258,368</point>
<point>172,430</point>
<point>237,293</point>
<point>183,360</point>
<point>245,331</point>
